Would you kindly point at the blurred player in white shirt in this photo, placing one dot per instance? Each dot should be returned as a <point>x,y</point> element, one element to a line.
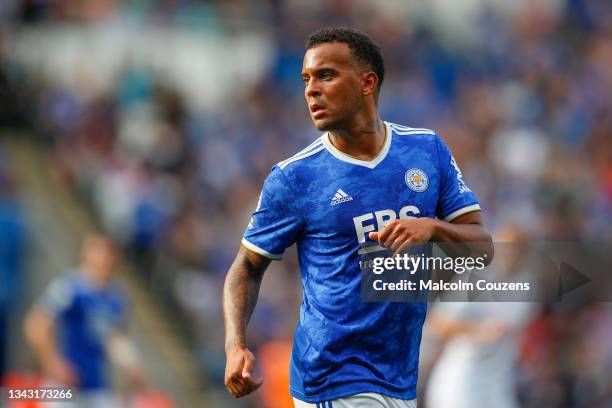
<point>476,367</point>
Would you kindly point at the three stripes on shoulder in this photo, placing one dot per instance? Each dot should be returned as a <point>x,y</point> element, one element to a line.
<point>317,145</point>
<point>405,130</point>
<point>313,148</point>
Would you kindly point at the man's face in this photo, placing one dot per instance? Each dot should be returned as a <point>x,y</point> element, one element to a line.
<point>99,258</point>
<point>332,81</point>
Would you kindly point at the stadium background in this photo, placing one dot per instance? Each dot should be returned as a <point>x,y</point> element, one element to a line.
<point>156,122</point>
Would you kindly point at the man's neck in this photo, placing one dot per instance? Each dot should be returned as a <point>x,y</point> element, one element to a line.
<point>362,142</point>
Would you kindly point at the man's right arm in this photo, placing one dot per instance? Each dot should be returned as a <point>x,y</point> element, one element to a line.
<point>39,330</point>
<point>240,294</point>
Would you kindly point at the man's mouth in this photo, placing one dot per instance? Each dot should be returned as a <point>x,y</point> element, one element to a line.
<point>316,110</point>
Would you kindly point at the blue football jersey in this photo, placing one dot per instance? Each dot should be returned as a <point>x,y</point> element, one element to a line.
<point>327,202</point>
<point>85,315</point>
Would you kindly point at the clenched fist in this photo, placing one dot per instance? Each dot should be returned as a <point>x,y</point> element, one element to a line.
<point>239,366</point>
<point>399,234</point>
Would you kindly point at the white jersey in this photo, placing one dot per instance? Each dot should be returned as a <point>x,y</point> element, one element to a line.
<point>473,374</point>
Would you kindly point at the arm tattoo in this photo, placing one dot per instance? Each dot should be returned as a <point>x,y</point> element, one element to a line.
<point>240,294</point>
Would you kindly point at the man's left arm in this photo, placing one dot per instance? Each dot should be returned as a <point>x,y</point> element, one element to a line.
<point>398,235</point>
<point>458,219</point>
<point>465,228</point>
<point>123,353</point>
<point>121,349</point>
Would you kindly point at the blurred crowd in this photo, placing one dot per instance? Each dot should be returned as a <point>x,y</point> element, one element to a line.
<point>522,97</point>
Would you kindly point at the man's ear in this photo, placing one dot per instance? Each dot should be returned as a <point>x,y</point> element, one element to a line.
<point>369,83</point>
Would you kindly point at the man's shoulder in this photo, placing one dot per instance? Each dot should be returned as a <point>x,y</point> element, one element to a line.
<point>409,134</point>
<point>69,279</point>
<point>298,161</point>
<point>60,293</point>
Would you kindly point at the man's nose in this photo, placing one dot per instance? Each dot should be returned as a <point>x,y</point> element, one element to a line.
<point>312,89</point>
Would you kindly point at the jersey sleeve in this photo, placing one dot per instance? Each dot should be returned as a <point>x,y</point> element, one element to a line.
<point>58,297</point>
<point>456,198</point>
<point>277,221</point>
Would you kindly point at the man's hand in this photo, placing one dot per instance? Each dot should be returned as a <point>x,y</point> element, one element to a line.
<point>239,367</point>
<point>399,234</point>
<point>60,370</point>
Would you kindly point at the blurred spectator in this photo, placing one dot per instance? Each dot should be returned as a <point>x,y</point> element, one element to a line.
<point>79,325</point>
<point>13,246</point>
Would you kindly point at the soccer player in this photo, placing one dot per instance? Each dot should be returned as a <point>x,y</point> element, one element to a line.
<point>78,326</point>
<point>364,180</point>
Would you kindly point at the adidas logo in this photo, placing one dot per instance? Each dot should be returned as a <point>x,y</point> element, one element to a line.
<point>340,197</point>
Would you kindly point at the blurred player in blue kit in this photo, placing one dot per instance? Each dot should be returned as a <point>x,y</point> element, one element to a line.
<point>363,182</point>
<point>79,325</point>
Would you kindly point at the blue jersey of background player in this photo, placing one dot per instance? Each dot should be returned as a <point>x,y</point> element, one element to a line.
<point>79,326</point>
<point>85,317</point>
<point>364,179</point>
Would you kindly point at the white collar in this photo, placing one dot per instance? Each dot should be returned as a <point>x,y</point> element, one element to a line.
<point>350,159</point>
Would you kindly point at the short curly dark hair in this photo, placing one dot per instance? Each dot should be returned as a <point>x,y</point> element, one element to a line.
<point>364,49</point>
